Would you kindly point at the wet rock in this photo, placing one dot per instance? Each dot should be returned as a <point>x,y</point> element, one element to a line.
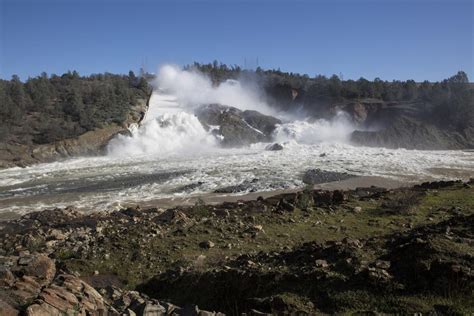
<point>246,186</point>
<point>436,185</point>
<point>316,176</point>
<point>236,127</point>
<point>274,147</point>
<point>188,187</point>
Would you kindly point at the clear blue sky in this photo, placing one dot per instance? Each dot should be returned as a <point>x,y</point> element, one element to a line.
<point>418,39</point>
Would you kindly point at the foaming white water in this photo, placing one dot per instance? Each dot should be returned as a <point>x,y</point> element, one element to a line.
<point>99,183</point>
<point>171,154</point>
<point>168,134</point>
<point>169,126</point>
<point>192,88</point>
<point>305,132</point>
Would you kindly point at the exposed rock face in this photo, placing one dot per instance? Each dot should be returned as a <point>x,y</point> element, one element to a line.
<point>402,125</point>
<point>238,128</point>
<point>410,133</point>
<point>365,113</point>
<point>30,283</point>
<point>89,143</point>
<point>30,286</point>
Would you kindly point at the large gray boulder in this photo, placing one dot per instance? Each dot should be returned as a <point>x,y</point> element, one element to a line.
<point>236,127</point>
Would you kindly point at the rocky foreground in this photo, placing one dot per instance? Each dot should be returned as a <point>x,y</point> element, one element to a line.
<point>369,250</point>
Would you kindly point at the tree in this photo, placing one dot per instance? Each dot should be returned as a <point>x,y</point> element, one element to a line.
<point>460,77</point>
<point>335,86</point>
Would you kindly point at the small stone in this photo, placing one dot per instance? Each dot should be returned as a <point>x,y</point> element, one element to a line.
<point>6,277</point>
<point>150,309</point>
<point>206,244</point>
<point>57,234</point>
<point>382,264</point>
<point>321,263</point>
<point>258,228</point>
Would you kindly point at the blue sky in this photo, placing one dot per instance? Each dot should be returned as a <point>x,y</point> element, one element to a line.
<point>418,39</point>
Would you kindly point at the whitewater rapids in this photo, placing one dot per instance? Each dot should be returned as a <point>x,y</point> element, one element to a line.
<point>172,155</point>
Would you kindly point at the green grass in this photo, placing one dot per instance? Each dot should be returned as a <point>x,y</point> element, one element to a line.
<point>138,258</point>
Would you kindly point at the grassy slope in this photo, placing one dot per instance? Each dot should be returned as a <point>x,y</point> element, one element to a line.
<point>139,252</point>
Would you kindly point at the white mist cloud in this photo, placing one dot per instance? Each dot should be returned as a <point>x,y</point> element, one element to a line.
<point>193,88</point>
<point>336,130</point>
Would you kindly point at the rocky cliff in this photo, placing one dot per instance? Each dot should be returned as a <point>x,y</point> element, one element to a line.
<point>409,133</point>
<point>90,143</point>
<point>404,125</point>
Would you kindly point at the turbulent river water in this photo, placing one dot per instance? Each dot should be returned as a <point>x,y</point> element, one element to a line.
<point>172,155</point>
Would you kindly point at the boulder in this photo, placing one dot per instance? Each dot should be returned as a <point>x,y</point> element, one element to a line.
<point>317,176</point>
<point>274,147</point>
<point>236,127</point>
<point>42,269</point>
<point>264,123</point>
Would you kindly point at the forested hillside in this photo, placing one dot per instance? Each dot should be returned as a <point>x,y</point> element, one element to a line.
<point>50,108</point>
<point>449,103</point>
<point>46,109</point>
